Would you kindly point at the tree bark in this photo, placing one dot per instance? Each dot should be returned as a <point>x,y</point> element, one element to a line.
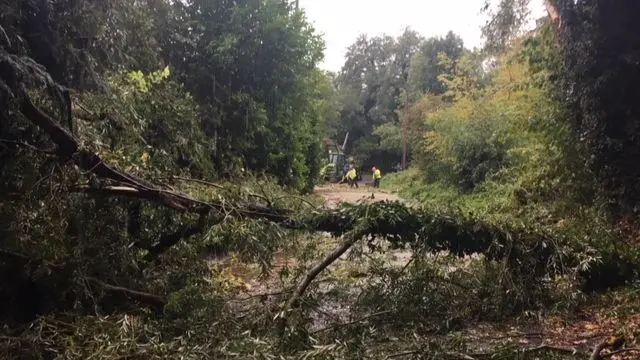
<point>553,11</point>
<point>169,240</point>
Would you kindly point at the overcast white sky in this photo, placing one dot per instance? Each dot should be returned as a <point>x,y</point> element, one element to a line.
<point>341,21</point>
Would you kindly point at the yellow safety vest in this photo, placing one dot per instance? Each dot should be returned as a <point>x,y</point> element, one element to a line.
<point>351,174</point>
<point>377,175</point>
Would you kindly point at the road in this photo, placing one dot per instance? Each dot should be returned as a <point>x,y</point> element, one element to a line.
<point>335,194</point>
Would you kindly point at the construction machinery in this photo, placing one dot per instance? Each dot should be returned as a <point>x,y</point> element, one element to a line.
<point>336,167</point>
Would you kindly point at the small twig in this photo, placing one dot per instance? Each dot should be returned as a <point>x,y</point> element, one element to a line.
<point>83,108</point>
<point>595,355</point>
<point>217,186</point>
<point>521,335</point>
<point>263,294</point>
<point>620,351</point>
<point>552,348</point>
<point>364,318</point>
<point>560,349</point>
<point>266,199</point>
<point>404,268</point>
<point>404,353</point>
<point>155,302</point>
<point>5,37</point>
<point>27,145</point>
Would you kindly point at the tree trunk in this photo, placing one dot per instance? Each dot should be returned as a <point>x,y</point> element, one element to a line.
<point>553,11</point>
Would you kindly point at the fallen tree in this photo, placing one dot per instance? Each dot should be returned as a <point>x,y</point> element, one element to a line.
<point>524,250</point>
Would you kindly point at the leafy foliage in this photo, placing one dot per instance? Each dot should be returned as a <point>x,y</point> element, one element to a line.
<point>600,89</point>
<point>165,121</point>
<point>381,77</point>
<point>119,186</point>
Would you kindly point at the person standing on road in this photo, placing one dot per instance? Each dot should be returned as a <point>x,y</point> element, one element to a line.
<point>352,177</point>
<point>377,175</point>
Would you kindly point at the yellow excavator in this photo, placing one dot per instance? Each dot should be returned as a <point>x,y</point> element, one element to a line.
<point>337,162</point>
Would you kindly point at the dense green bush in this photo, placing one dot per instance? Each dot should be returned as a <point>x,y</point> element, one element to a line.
<point>467,151</point>
<point>148,119</point>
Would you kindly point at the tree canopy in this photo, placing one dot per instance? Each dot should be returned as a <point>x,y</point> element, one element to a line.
<point>381,76</point>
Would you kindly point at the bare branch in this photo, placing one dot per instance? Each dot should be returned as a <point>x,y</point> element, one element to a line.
<point>154,302</point>
<point>359,320</point>
<point>26,145</point>
<point>208,183</point>
<point>167,241</point>
<point>620,351</point>
<point>312,274</point>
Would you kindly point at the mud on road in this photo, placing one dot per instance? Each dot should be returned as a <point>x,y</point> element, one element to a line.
<point>335,194</point>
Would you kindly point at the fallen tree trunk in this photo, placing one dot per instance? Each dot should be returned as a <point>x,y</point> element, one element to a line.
<point>397,223</point>
<point>129,185</point>
<point>69,149</point>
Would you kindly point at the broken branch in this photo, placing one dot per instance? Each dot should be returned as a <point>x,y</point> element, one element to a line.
<point>203,182</point>
<point>311,275</point>
<point>619,352</point>
<point>356,321</point>
<point>154,302</point>
<point>26,145</point>
<point>169,240</point>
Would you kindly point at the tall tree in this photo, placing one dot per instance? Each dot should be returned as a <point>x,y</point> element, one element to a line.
<point>380,76</point>
<point>426,65</point>
<point>246,61</point>
<point>598,77</point>
<point>506,21</point>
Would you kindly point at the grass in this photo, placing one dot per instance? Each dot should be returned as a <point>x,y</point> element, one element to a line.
<point>491,198</point>
<point>494,201</point>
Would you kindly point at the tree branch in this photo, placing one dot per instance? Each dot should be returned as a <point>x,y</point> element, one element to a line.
<point>154,302</point>
<point>311,275</point>
<point>184,203</point>
<point>356,321</point>
<point>26,145</point>
<point>203,182</point>
<point>620,351</point>
<point>168,240</point>
<point>335,222</point>
<point>14,264</point>
<point>132,192</point>
<point>69,148</point>
<point>68,145</point>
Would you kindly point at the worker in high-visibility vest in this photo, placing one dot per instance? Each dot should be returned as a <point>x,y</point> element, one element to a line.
<point>352,177</point>
<point>377,175</point>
